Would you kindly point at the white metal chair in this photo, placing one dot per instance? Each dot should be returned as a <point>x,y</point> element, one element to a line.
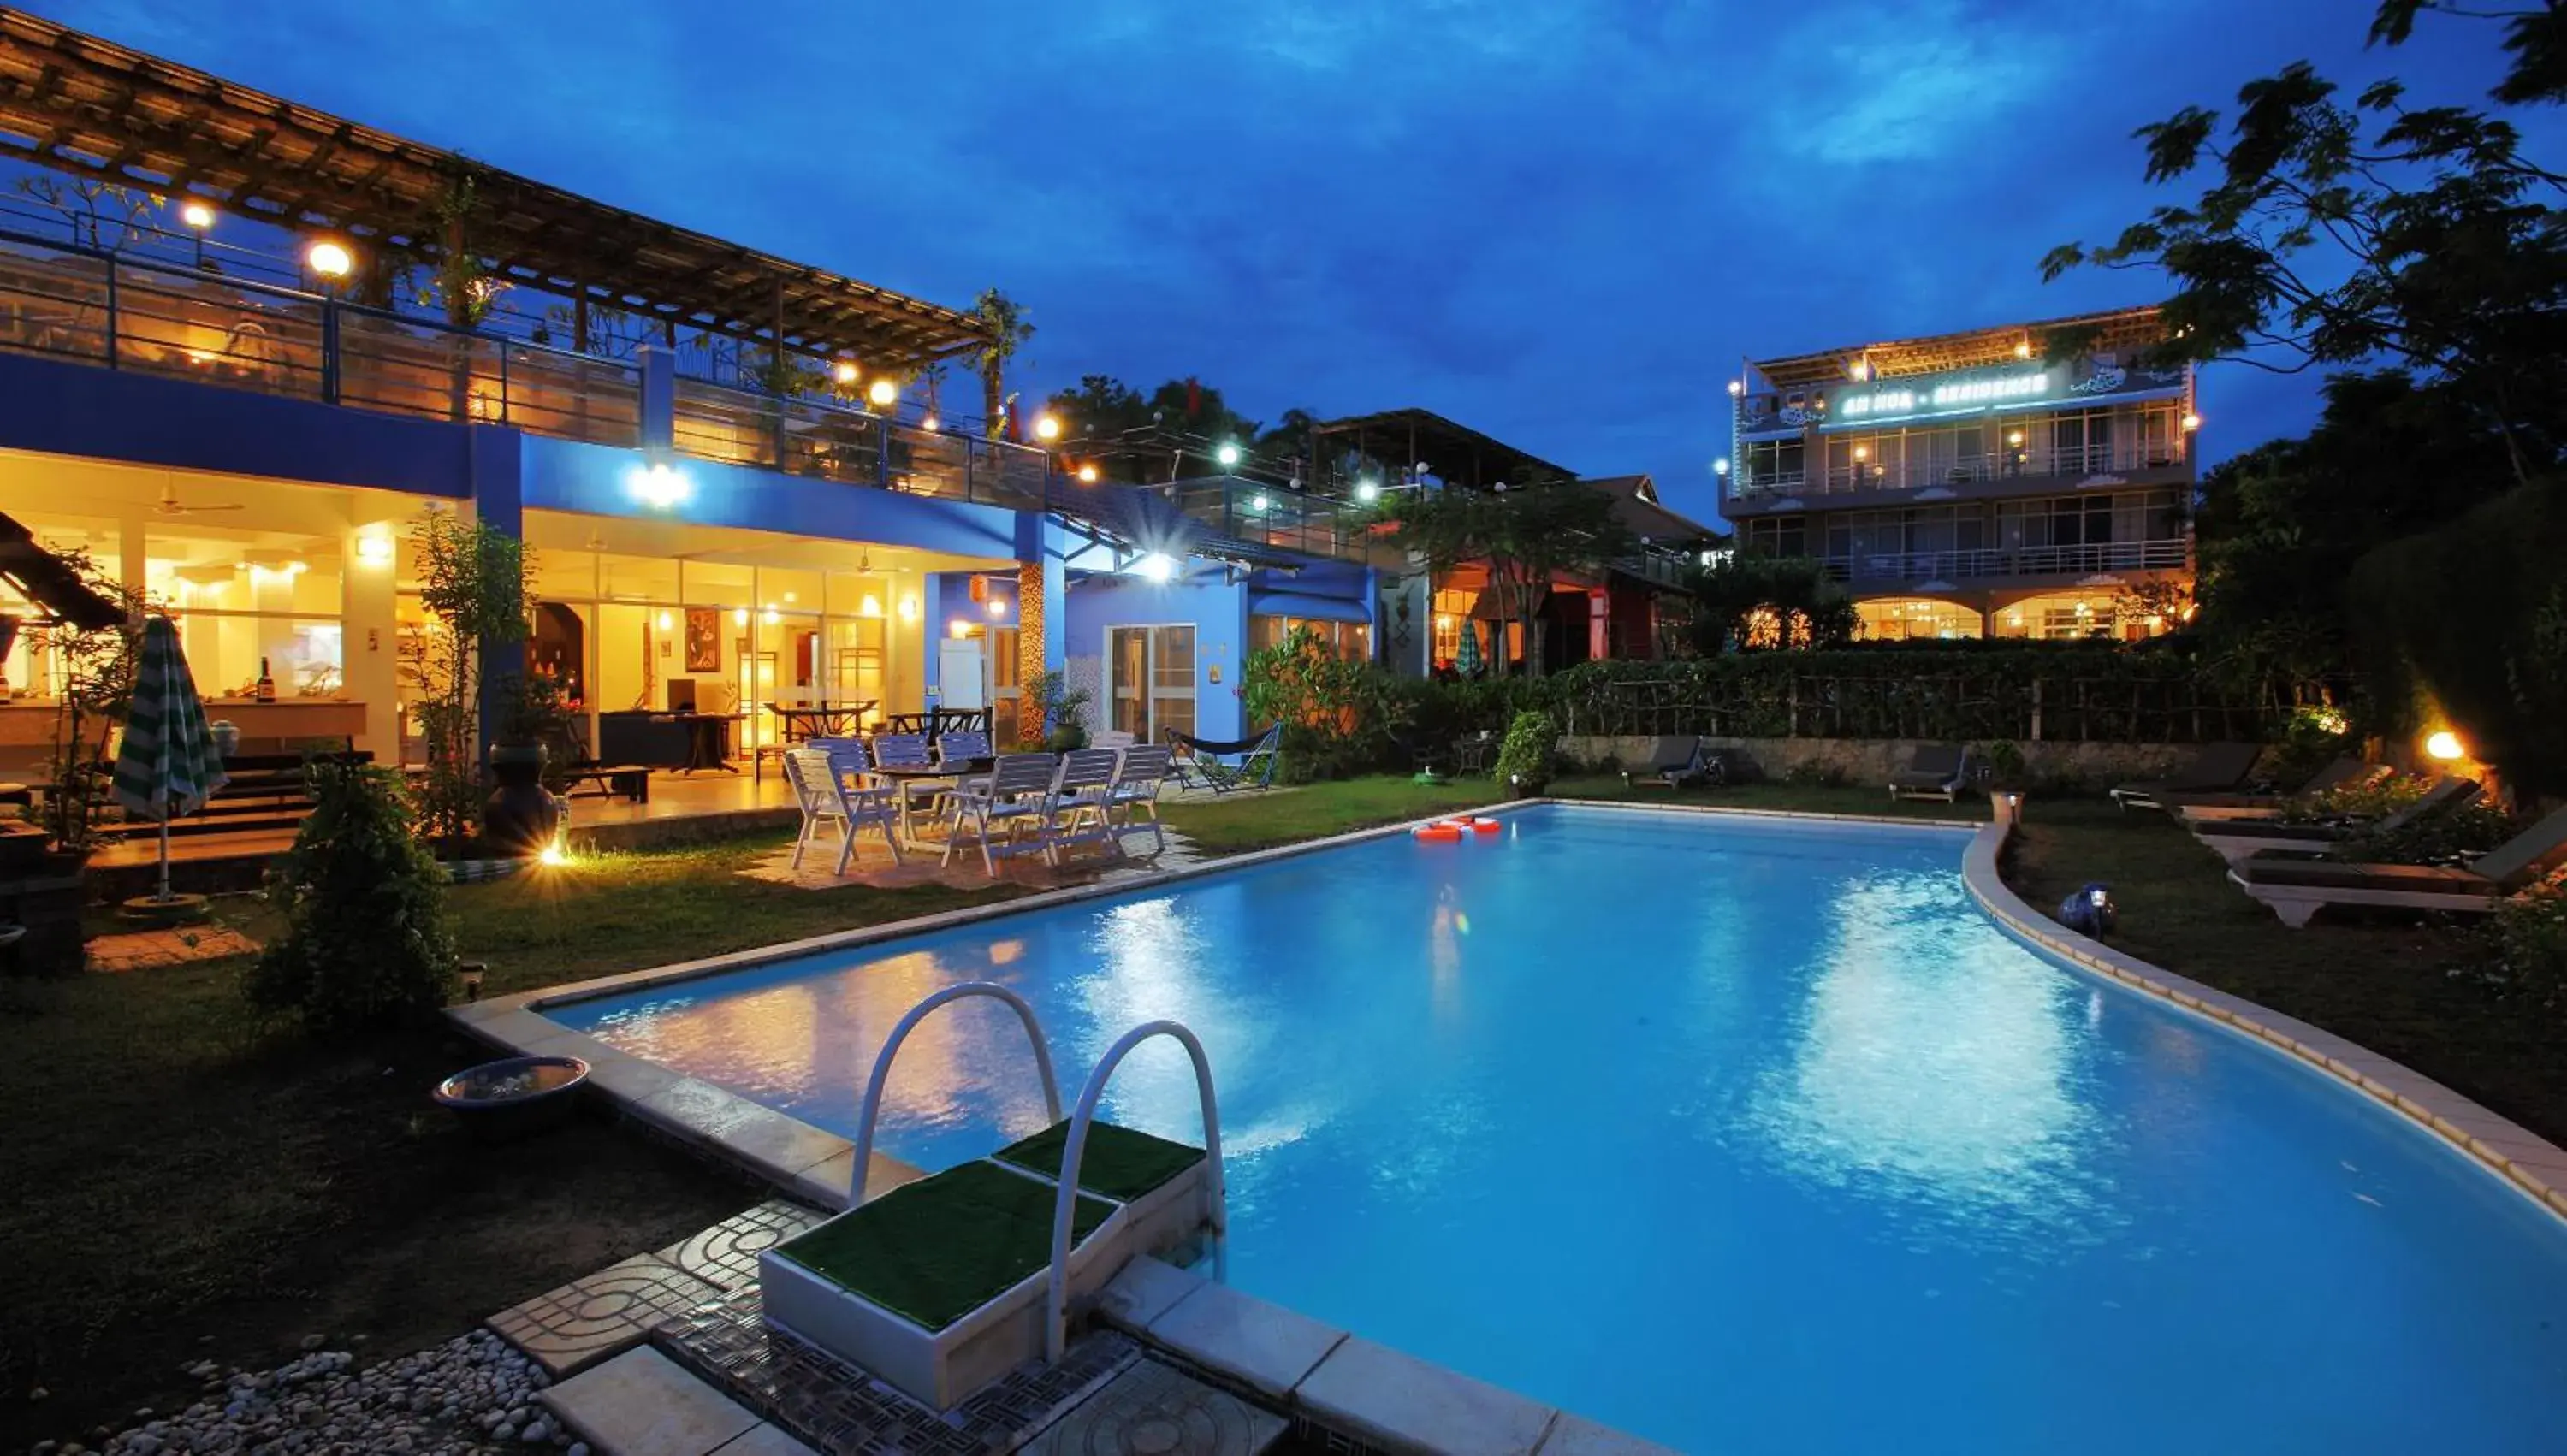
<point>955,749</point>
<point>1016,795</point>
<point>1136,788</point>
<point>1110,739</point>
<point>1081,794</point>
<point>819,779</point>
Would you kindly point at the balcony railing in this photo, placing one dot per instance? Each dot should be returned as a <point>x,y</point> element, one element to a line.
<point>1913,566</point>
<point>2069,462</point>
<point>838,443</point>
<point>1313,525</point>
<point>176,322</point>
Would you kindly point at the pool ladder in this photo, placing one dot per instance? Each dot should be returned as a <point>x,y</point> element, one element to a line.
<point>1074,1148</point>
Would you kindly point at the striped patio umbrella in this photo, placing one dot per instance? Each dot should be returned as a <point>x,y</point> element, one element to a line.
<point>1466,651</point>
<point>168,767</point>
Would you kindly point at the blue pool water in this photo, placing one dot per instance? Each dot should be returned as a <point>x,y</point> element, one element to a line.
<point>1741,1135</point>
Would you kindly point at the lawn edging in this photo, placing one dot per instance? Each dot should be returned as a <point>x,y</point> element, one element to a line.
<point>2532,1164</point>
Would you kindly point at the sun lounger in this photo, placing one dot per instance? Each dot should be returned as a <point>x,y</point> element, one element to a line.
<point>2215,769</point>
<point>2201,808</point>
<point>1226,765</point>
<point>2298,889</point>
<point>1933,771</point>
<point>1669,762</point>
<point>2239,842</point>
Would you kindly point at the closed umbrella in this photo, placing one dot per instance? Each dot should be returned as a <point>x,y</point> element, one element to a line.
<point>1466,651</point>
<point>168,767</point>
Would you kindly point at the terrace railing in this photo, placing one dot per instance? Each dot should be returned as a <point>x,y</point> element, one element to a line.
<point>2159,555</point>
<point>2068,462</point>
<point>803,437</point>
<point>173,321</point>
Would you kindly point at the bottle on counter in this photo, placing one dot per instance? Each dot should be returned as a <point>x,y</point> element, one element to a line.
<point>266,689</point>
<point>5,690</point>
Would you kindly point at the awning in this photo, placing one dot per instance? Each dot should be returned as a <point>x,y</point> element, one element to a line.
<point>1307,607</point>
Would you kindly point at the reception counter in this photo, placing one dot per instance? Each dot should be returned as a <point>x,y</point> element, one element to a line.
<point>282,726</point>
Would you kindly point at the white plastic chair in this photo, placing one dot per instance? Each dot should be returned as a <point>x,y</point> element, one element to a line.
<point>1136,788</point>
<point>1016,795</point>
<point>1081,792</point>
<point>820,787</point>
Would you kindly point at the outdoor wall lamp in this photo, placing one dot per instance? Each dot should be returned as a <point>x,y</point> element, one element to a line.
<point>2445,746</point>
<point>328,259</point>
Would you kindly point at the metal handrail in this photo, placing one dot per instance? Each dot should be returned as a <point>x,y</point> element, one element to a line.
<point>2023,464</point>
<point>1065,1203</point>
<point>2159,553</point>
<point>891,1048</point>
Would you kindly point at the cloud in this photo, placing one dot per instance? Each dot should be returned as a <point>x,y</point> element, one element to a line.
<point>1907,83</point>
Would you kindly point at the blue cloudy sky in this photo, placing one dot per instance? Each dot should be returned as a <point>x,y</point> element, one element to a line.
<point>1560,221</point>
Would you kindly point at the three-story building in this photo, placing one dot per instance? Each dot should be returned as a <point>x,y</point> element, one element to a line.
<point>1977,484</point>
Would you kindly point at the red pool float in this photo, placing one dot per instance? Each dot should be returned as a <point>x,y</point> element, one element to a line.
<point>1440,833</point>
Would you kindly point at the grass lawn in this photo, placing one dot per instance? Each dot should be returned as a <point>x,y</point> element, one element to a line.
<point>2383,983</point>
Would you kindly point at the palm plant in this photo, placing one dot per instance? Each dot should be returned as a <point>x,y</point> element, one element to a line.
<point>1005,328</point>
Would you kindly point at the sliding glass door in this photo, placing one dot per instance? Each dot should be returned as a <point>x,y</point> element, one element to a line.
<point>1150,680</point>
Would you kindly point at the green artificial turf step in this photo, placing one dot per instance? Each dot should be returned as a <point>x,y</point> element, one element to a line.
<point>1119,1163</point>
<point>937,1249</point>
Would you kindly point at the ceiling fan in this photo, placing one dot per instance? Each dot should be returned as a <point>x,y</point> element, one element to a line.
<point>168,504</point>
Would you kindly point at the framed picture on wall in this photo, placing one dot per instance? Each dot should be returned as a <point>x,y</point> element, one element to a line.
<point>703,639</point>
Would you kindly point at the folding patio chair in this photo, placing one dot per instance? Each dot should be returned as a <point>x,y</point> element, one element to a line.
<point>1015,797</point>
<point>1081,794</point>
<point>1136,790</point>
<point>820,787</point>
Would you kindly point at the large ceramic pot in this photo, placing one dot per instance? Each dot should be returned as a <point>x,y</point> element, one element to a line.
<point>520,817</point>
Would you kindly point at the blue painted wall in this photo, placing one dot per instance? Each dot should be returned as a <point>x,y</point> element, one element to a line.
<point>1204,596</point>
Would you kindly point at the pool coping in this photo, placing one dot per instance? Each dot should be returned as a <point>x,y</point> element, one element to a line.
<point>2529,1163</point>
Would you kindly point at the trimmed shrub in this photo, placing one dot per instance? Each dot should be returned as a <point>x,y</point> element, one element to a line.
<point>2526,945</point>
<point>1526,757</point>
<point>366,941</point>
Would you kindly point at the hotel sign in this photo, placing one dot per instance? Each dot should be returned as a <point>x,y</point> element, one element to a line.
<point>1954,395</point>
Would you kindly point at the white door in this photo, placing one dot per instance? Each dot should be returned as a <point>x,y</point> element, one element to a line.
<point>962,673</point>
<point>1150,685</point>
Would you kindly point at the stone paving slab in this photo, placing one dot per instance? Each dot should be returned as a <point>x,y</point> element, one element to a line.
<point>1262,1346</point>
<point>1403,1403</point>
<point>601,1314</point>
<point>641,1403</point>
<point>726,1255</point>
<point>145,950</point>
<point>766,1440</point>
<point>1150,1409</point>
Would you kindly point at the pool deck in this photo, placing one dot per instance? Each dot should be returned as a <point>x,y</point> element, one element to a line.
<point>1332,1381</point>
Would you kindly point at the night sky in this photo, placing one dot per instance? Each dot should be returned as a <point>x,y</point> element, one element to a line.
<point>1560,222</point>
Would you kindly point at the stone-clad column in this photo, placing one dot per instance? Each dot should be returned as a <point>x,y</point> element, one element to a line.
<point>1032,608</point>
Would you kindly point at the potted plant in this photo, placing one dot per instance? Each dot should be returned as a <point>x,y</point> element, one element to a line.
<point>1064,709</point>
<point>2005,775</point>
<point>520,815</point>
<point>1530,750</point>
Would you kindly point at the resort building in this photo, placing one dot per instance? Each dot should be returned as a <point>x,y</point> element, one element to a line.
<point>1979,484</point>
<point>740,497</point>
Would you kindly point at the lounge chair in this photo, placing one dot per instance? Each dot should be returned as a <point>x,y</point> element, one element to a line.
<point>1226,765</point>
<point>1080,793</point>
<point>1672,762</point>
<point>2297,889</point>
<point>1017,797</point>
<point>2215,769</point>
<point>1136,790</point>
<point>2239,842</point>
<point>820,787</point>
<point>2202,808</point>
<point>1933,771</point>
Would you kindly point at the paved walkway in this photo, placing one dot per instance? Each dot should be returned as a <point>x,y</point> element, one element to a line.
<point>873,865</point>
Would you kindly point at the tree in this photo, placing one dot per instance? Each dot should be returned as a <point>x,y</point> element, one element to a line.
<point>1525,534</point>
<point>1005,328</point>
<point>1176,431</point>
<point>2415,235</point>
<point>1744,601</point>
<point>475,581</point>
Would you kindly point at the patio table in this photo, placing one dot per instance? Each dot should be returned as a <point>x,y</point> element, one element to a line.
<point>904,775</point>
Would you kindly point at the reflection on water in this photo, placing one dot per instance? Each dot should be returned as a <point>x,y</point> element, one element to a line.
<point>1934,1079</point>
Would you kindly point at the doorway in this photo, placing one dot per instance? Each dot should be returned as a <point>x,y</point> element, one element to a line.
<point>1150,680</point>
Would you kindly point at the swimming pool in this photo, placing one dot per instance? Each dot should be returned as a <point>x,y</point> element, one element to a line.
<point>1739,1134</point>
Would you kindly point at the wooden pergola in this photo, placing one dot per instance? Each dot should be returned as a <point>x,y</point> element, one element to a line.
<point>82,105</point>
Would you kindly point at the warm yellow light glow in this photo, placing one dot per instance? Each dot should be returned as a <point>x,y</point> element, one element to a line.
<point>196,215</point>
<point>882,393</point>
<point>1443,621</point>
<point>789,599</point>
<point>2014,438</point>
<point>554,854</point>
<point>664,622</point>
<point>2023,349</point>
<point>909,609</point>
<point>330,259</point>
<point>844,371</point>
<point>1861,369</point>
<point>2445,746</point>
<point>2191,421</point>
<point>958,626</point>
<point>1046,427</point>
<point>375,549</point>
<point>740,616</point>
<point>1862,452</point>
<point>998,605</point>
<point>1087,474</point>
<point>772,617</point>
<point>928,423</point>
<point>871,605</point>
